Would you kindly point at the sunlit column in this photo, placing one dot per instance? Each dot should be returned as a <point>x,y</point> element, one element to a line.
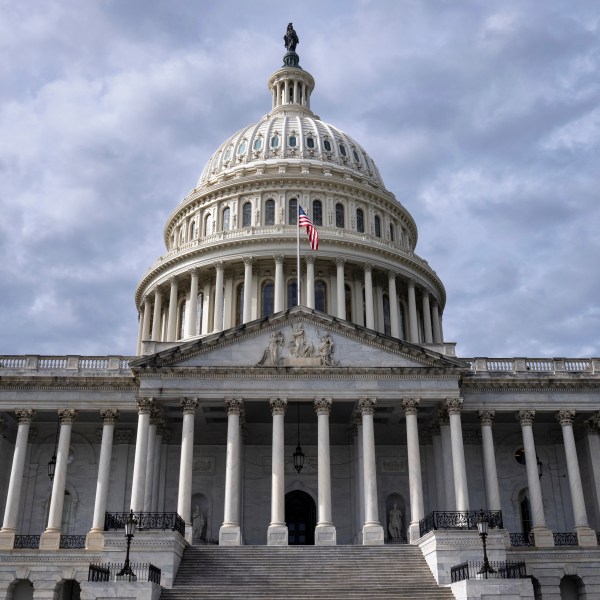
<point>206,306</point>
<point>144,407</point>
<point>411,406</point>
<point>218,312</point>
<point>248,262</point>
<point>492,490</point>
<point>369,313</point>
<point>446,440</point>
<point>157,315</point>
<point>228,301</point>
<point>325,534</point>
<point>192,313</point>
<point>393,298</point>
<point>156,467</point>
<point>435,322</point>
<point>146,322</point>
<point>413,329</point>
<point>278,304</point>
<point>277,534</point>
<point>454,407</point>
<point>341,291</point>
<point>149,482</point>
<point>139,338</point>
<point>172,318</point>
<point>427,318</point>
<point>184,496</point>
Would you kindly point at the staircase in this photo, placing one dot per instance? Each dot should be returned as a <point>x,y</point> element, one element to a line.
<point>296,572</point>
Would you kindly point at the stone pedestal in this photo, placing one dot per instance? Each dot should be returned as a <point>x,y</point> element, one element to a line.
<point>7,540</point>
<point>586,537</point>
<point>94,541</point>
<point>230,536</point>
<point>50,540</point>
<point>277,535</point>
<point>490,589</point>
<point>325,535</point>
<point>414,532</point>
<point>542,537</point>
<point>372,535</point>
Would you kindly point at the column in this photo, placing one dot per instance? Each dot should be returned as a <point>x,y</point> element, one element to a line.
<point>157,315</point>
<point>95,537</point>
<point>444,421</point>
<point>542,535</point>
<point>146,321</point>
<point>436,320</point>
<point>206,306</point>
<point>172,318</point>
<point>228,320</point>
<point>492,491</point>
<point>440,491</point>
<point>585,535</point>
<point>191,314</point>
<point>139,338</point>
<point>359,313</point>
<point>184,497</point>
<point>156,467</point>
<point>144,407</point>
<point>149,481</point>
<point>277,534</point>
<point>372,529</point>
<point>341,291</point>
<point>310,281</point>
<point>360,494</point>
<point>427,318</point>
<point>50,539</point>
<point>393,297</point>
<point>13,499</point>
<point>369,313</point>
<point>410,406</point>
<point>413,330</point>
<point>218,312</point>
<point>461,492</point>
<point>230,534</point>
<point>592,439</point>
<point>325,533</point>
<point>248,261</point>
<point>279,287</point>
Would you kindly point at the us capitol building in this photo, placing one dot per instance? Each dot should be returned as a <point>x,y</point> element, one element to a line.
<point>277,402</point>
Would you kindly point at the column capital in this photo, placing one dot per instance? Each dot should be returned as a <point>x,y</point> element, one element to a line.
<point>278,406</point>
<point>454,405</point>
<point>25,415</point>
<point>442,415</point>
<point>411,284</point>
<point>525,417</point>
<point>410,405</point>
<point>340,262</point>
<point>249,260</point>
<point>219,265</point>
<point>157,292</point>
<point>367,267</point>
<point>144,405</point>
<point>234,406</point>
<point>392,274</point>
<point>278,258</point>
<point>367,405</point>
<point>486,416</point>
<point>310,259</point>
<point>323,406</point>
<point>173,280</point>
<point>189,405</point>
<point>109,415</point>
<point>592,425</point>
<point>123,436</point>
<point>565,417</point>
<point>66,416</point>
<point>156,416</point>
<point>195,272</point>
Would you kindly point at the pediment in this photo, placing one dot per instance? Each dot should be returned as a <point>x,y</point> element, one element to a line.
<point>300,338</point>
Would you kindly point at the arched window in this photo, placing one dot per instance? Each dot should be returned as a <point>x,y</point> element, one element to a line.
<point>377,226</point>
<point>239,307</point>
<point>268,295</point>
<point>193,230</point>
<point>207,225</point>
<point>317,212</point>
<point>387,327</point>
<point>257,144</point>
<point>293,211</point>
<point>391,232</point>
<point>270,212</point>
<point>181,328</point>
<point>292,293</point>
<point>339,215</point>
<point>320,296</point>
<point>360,220</point>
<point>247,214</point>
<point>199,312</point>
<point>226,218</point>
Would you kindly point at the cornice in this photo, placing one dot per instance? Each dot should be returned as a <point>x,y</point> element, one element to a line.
<point>517,384</point>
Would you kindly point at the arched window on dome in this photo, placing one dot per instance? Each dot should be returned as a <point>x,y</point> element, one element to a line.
<point>199,313</point>
<point>192,230</point>
<point>275,141</point>
<point>207,224</point>
<point>227,154</point>
<point>270,212</point>
<point>292,141</point>
<point>181,320</point>
<point>268,298</point>
<point>355,154</point>
<point>377,226</point>
<point>340,216</point>
<point>327,145</point>
<point>310,142</point>
<point>320,295</point>
<point>317,212</point>
<point>292,211</point>
<point>292,293</point>
<point>387,325</point>
<point>239,305</point>
<point>258,143</point>
<point>360,220</point>
<point>247,214</point>
<point>242,148</point>
<point>182,235</point>
<point>391,232</point>
<point>342,149</point>
<point>226,218</point>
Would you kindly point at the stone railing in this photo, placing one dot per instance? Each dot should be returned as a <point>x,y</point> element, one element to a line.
<point>110,572</point>
<point>535,365</point>
<point>65,363</point>
<point>495,570</point>
<point>439,519</point>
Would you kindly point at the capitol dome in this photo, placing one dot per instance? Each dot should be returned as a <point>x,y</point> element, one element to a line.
<point>232,243</point>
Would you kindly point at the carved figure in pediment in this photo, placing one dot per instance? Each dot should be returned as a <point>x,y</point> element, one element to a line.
<point>326,350</point>
<point>298,347</point>
<point>271,356</point>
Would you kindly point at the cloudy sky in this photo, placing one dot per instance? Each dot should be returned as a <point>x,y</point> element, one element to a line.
<point>483,117</point>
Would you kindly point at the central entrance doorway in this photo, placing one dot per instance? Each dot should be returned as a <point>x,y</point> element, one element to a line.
<point>301,518</point>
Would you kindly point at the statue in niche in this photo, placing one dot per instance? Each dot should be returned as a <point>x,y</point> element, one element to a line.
<point>273,350</point>
<point>290,39</point>
<point>326,350</point>
<point>198,523</point>
<point>395,522</point>
<point>298,347</point>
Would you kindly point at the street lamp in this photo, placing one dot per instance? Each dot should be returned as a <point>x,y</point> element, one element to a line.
<point>482,528</point>
<point>130,524</point>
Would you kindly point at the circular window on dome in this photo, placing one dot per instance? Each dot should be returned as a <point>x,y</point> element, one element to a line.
<point>242,148</point>
<point>275,142</point>
<point>257,144</point>
<point>342,150</point>
<point>327,145</point>
<point>292,141</point>
<point>310,142</point>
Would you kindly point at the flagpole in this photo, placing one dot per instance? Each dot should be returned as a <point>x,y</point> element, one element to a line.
<point>298,252</point>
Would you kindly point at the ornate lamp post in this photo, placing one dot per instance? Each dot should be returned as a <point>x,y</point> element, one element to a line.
<point>52,461</point>
<point>482,528</point>
<point>130,524</point>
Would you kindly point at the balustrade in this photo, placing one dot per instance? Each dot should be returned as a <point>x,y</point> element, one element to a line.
<point>522,539</point>
<point>69,542</point>
<point>458,520</point>
<point>567,538</point>
<point>108,572</point>
<point>30,542</point>
<point>146,521</point>
<point>501,570</point>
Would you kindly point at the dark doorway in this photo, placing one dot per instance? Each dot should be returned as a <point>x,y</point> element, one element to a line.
<point>301,518</point>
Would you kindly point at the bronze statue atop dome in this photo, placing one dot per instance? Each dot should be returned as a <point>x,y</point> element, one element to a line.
<point>290,39</point>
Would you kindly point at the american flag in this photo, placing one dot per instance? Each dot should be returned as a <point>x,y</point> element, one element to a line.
<point>311,230</point>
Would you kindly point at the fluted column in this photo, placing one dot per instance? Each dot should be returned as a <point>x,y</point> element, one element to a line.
<point>205,328</point>
<point>279,302</point>
<point>585,535</point>
<point>542,535</point>
<point>325,533</point>
<point>50,539</point>
<point>13,499</point>
<point>139,336</point>
<point>277,534</point>
<point>372,529</point>
<point>436,322</point>
<point>446,441</point>
<point>310,280</point>
<point>149,481</point>
<point>184,496</point>
<point>492,490</point>
<point>157,315</point>
<point>218,312</point>
<point>144,408</point>
<point>427,318</point>
<point>411,406</point>
<point>341,292</point>
<point>247,314</point>
<point>230,534</point>
<point>393,297</point>
<point>95,537</point>
<point>172,315</point>
<point>360,494</point>
<point>146,322</point>
<point>156,466</point>
<point>592,440</point>
<point>192,313</point>
<point>413,329</point>
<point>369,312</point>
<point>454,407</point>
